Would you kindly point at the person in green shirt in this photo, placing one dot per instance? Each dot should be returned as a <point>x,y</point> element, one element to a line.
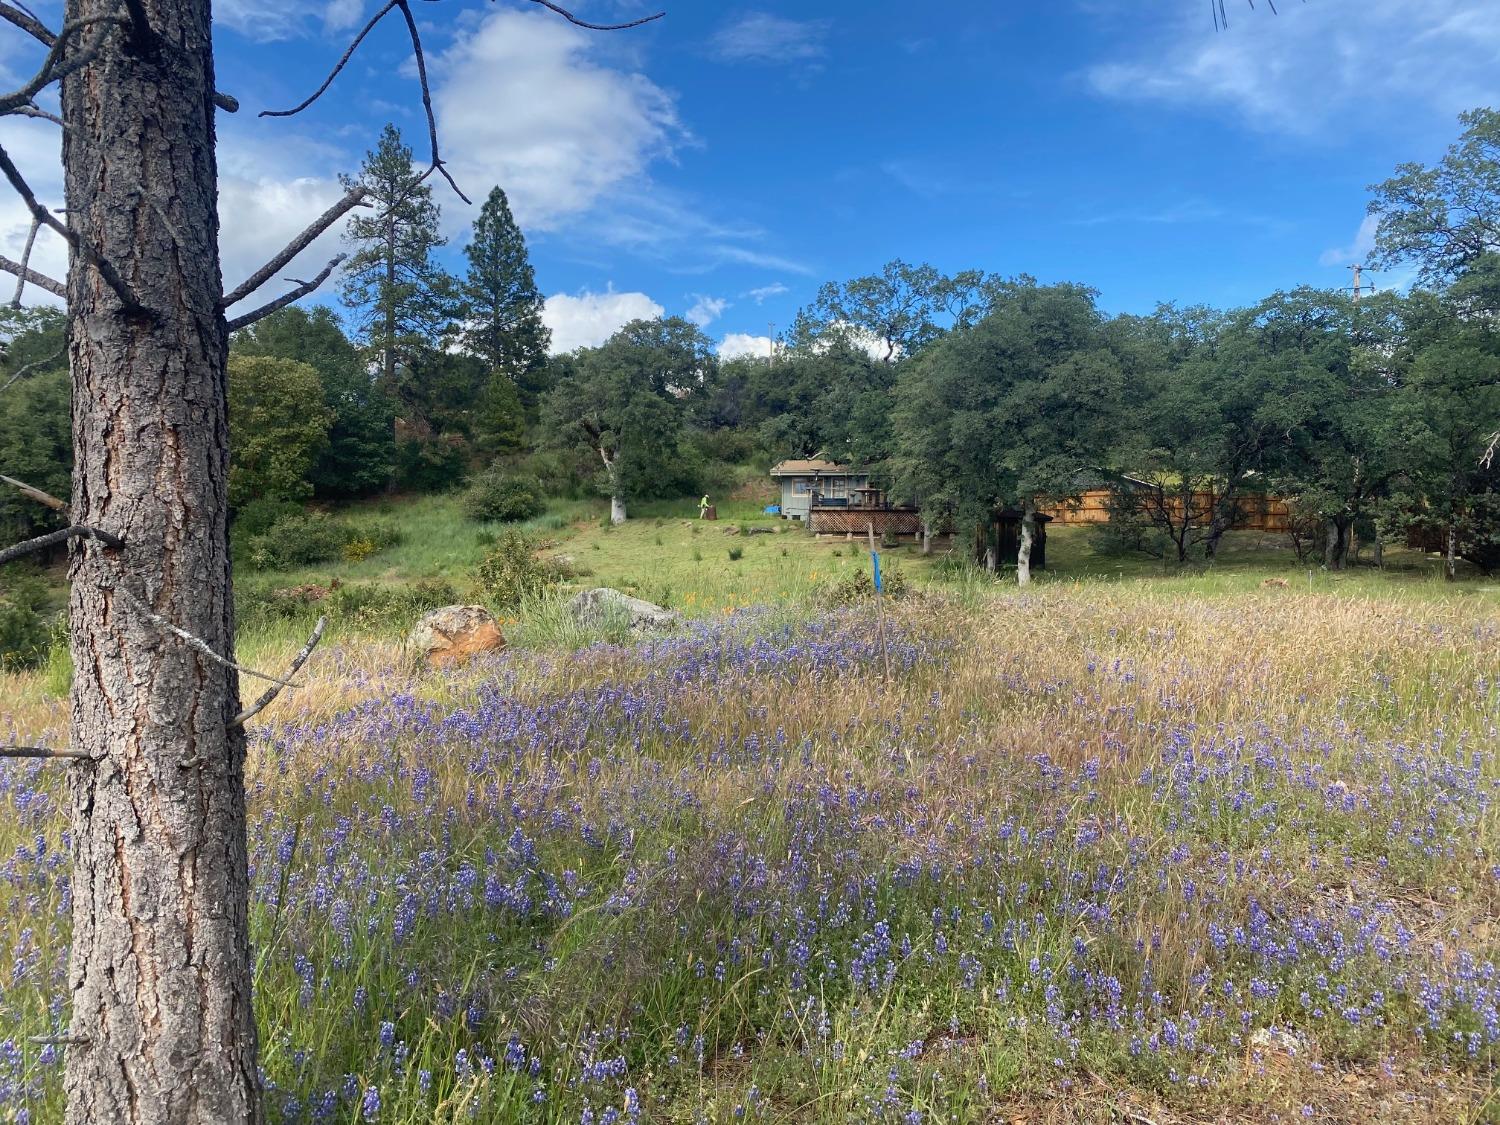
<point>703,507</point>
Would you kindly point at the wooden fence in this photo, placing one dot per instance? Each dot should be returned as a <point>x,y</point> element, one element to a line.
<point>1256,512</point>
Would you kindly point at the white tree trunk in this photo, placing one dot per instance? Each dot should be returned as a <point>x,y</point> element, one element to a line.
<point>616,493</point>
<point>1028,536</point>
<point>1450,568</point>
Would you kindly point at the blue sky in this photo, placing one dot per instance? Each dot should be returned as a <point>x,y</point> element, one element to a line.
<point>728,159</point>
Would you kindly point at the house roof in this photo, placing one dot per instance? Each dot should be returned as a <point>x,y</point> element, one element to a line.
<point>796,468</point>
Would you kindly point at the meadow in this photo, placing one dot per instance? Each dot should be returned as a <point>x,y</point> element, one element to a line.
<point>1124,847</point>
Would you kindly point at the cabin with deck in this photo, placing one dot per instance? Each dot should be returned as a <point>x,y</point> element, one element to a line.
<point>816,483</point>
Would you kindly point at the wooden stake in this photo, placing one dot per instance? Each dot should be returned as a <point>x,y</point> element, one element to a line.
<point>885,650</point>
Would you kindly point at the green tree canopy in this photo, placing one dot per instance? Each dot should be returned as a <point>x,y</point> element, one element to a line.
<point>1444,218</point>
<point>1011,412</point>
<point>36,439</point>
<point>359,458</point>
<point>624,401</point>
<point>277,427</point>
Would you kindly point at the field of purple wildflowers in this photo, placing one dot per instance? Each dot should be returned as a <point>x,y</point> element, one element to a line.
<point>1103,853</point>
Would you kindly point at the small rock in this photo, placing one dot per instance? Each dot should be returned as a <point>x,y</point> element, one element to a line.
<point>594,608</point>
<point>732,529</point>
<point>1275,583</point>
<point>454,634</point>
<point>1278,1039</point>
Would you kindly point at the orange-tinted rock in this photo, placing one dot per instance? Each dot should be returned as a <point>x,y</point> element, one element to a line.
<point>455,634</point>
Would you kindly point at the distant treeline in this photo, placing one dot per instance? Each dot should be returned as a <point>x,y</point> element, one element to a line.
<point>961,393</point>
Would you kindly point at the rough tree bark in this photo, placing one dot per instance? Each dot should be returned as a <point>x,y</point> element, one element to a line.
<point>161,1024</point>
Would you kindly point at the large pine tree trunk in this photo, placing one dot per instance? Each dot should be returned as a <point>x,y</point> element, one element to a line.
<point>159,978</point>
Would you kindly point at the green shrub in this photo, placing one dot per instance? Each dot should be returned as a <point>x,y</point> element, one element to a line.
<point>512,573</point>
<point>860,585</point>
<point>495,497</point>
<point>255,519</point>
<point>382,533</point>
<point>25,623</point>
<point>736,554</point>
<point>298,540</point>
<point>380,607</point>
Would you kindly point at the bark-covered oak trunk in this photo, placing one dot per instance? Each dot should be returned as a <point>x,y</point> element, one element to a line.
<point>160,970</point>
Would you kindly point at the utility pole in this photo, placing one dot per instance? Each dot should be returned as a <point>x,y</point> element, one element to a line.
<point>1358,287</point>
<point>771,343</point>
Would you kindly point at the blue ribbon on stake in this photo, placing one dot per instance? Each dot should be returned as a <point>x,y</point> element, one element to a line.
<point>875,558</point>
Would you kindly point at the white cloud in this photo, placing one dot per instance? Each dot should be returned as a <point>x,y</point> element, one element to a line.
<point>340,15</point>
<point>263,205</point>
<point>588,319</point>
<point>765,292</point>
<point>762,37</point>
<point>739,344</point>
<point>521,102</point>
<point>1356,252</point>
<point>1317,62</point>
<point>706,310</point>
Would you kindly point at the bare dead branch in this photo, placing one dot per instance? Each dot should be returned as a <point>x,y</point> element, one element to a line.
<point>53,538</point>
<point>40,114</point>
<point>105,268</point>
<point>42,752</point>
<point>61,1040</point>
<point>35,493</point>
<point>227,102</point>
<point>265,700</point>
<point>54,67</point>
<point>197,644</point>
<point>40,280</point>
<point>281,302</point>
<point>419,54</point>
<point>571,18</point>
<point>352,199</point>
<point>1488,460</point>
<point>432,133</point>
<point>36,225</point>
<point>27,23</point>
<point>27,368</point>
<point>334,73</point>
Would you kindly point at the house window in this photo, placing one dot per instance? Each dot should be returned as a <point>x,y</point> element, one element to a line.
<point>835,487</point>
<point>799,487</point>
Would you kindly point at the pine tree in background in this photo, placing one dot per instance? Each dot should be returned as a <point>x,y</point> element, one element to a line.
<point>403,302</point>
<point>503,318</point>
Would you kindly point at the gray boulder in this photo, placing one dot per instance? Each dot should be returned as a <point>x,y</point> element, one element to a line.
<point>598,608</point>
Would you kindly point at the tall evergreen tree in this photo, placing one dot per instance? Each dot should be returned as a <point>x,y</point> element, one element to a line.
<point>502,308</point>
<point>401,298</point>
